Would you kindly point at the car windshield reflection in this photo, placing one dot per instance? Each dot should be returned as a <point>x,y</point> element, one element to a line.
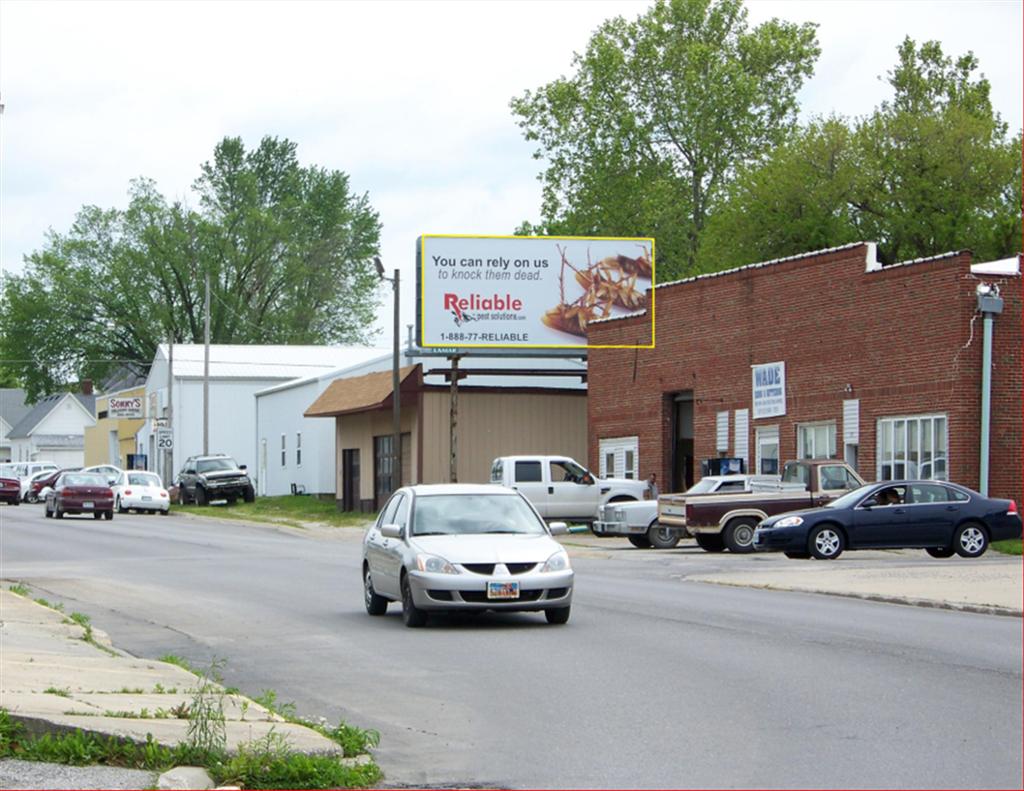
<point>850,499</point>
<point>474,514</point>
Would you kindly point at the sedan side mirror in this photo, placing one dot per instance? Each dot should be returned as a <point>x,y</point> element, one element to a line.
<point>391,531</point>
<point>558,528</point>
<point>243,467</point>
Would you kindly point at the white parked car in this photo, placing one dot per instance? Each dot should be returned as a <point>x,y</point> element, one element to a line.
<point>111,472</point>
<point>140,491</point>
<point>26,470</point>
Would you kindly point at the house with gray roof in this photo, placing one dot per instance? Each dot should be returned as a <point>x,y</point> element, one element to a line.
<point>53,429</point>
<point>12,409</point>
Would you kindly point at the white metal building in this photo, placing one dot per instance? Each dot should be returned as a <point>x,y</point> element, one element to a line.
<point>237,372</point>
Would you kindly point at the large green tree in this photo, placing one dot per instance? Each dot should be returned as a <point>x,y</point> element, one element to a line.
<point>287,249</point>
<point>659,112</point>
<point>931,169</point>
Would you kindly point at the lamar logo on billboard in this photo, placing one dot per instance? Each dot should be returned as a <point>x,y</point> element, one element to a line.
<point>494,305</point>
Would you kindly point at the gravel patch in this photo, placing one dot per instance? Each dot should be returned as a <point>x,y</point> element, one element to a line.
<point>35,774</point>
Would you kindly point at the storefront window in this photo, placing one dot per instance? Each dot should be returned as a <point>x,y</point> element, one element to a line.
<point>912,447</point>
<point>816,440</point>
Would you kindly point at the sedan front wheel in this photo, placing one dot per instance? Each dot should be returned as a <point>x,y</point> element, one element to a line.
<point>826,543</point>
<point>412,615</point>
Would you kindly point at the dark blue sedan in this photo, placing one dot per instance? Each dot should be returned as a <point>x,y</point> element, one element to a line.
<point>939,517</point>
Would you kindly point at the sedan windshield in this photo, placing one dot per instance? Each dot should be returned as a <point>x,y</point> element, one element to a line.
<point>474,514</point>
<point>213,465</point>
<point>850,499</point>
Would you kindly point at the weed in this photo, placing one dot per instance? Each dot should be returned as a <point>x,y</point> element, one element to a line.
<point>353,740</point>
<point>19,588</point>
<point>58,606</point>
<point>158,689</point>
<point>64,693</point>
<point>207,730</point>
<point>174,659</point>
<point>271,763</point>
<point>131,691</point>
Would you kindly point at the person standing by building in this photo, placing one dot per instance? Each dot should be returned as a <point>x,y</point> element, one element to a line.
<point>652,485</point>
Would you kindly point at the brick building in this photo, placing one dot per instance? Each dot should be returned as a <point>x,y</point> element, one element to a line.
<point>879,365</point>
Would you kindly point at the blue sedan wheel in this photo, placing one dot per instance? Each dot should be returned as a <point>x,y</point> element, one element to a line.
<point>826,543</point>
<point>970,541</point>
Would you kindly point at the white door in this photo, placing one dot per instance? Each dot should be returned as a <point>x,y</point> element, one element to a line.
<point>528,480</point>
<point>620,458</point>
<point>767,438</point>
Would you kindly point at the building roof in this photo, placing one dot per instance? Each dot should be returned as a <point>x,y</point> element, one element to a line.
<point>72,441</point>
<point>43,407</point>
<point>238,361</point>
<point>12,405</point>
<point>357,394</point>
<point>568,377</point>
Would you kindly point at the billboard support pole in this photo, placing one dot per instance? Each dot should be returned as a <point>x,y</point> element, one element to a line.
<point>453,420</point>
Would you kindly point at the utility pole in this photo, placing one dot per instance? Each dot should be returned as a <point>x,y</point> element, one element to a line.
<point>453,422</point>
<point>396,397</point>
<point>206,371</point>
<point>169,454</point>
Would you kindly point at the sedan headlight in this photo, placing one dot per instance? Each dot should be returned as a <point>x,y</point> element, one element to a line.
<point>557,562</point>
<point>435,565</point>
<point>789,521</point>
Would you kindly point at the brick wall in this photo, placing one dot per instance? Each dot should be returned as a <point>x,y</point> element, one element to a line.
<point>906,340</point>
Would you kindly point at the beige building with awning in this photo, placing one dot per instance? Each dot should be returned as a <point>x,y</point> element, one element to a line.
<point>513,417</point>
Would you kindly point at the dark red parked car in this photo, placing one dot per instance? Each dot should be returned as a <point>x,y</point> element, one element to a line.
<point>10,490</point>
<point>80,493</point>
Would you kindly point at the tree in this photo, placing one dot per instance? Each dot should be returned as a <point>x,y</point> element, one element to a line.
<point>800,199</point>
<point>645,135</point>
<point>287,249</point>
<point>928,171</point>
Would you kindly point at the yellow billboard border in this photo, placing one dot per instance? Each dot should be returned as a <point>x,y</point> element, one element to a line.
<point>423,290</point>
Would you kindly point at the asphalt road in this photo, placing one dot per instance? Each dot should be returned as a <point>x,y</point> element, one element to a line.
<point>655,681</point>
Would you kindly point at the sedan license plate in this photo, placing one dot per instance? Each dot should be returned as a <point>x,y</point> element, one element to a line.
<point>502,590</point>
<point>88,504</point>
<point>146,498</point>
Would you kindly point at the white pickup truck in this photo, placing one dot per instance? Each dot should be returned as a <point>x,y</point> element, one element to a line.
<point>562,489</point>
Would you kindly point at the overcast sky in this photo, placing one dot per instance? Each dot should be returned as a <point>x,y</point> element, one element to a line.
<point>409,98</point>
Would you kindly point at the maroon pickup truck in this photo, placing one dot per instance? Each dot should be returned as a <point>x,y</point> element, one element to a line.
<point>720,522</point>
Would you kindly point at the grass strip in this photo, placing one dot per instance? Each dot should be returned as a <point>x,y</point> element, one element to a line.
<point>287,509</point>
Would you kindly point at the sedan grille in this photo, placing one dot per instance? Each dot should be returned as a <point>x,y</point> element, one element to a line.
<point>488,568</point>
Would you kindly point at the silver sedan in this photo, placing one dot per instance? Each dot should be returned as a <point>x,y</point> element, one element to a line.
<point>464,547</point>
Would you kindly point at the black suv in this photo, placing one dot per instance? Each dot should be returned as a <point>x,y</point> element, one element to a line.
<point>218,477</point>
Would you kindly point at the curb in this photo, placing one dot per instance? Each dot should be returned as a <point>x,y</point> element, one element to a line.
<point>983,609</point>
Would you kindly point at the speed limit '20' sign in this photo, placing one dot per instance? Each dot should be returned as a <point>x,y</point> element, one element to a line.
<point>164,439</point>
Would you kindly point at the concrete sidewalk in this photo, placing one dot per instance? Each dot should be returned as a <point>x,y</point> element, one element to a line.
<point>994,585</point>
<point>53,679</point>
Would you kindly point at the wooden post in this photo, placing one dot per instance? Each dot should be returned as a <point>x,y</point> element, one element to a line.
<point>453,420</point>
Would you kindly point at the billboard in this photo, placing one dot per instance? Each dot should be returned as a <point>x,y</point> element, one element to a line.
<point>528,292</point>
